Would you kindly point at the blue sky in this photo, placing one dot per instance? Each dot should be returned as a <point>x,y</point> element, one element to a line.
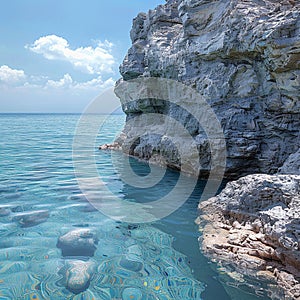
<point>56,56</point>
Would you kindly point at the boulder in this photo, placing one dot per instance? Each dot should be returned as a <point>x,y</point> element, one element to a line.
<point>78,275</point>
<point>78,242</point>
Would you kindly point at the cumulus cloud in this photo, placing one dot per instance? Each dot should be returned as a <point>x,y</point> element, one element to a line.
<point>11,76</point>
<point>96,83</point>
<point>91,60</point>
<point>67,82</point>
<point>64,82</point>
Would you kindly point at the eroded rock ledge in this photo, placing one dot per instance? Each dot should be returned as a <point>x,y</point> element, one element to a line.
<point>255,223</point>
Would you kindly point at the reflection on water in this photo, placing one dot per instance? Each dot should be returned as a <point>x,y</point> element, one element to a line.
<point>41,201</point>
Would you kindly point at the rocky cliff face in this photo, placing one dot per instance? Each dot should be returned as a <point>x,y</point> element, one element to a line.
<point>243,57</point>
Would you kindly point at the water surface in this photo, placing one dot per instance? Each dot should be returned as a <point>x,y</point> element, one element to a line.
<point>37,174</point>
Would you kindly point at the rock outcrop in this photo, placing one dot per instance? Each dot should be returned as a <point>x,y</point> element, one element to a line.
<point>243,57</point>
<point>254,223</point>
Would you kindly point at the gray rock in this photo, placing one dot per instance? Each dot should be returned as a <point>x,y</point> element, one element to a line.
<point>31,218</point>
<point>292,164</point>
<point>266,209</point>
<point>78,242</point>
<point>113,146</point>
<point>243,57</point>
<point>78,275</point>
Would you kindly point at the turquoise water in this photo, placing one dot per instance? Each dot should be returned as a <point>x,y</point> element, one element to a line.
<point>37,175</point>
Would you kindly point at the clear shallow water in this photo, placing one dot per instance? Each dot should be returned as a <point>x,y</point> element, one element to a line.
<point>37,174</point>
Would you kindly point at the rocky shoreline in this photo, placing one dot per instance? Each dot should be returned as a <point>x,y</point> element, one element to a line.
<point>243,58</point>
<point>254,223</point>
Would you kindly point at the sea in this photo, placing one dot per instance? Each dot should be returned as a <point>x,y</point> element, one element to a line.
<point>41,201</point>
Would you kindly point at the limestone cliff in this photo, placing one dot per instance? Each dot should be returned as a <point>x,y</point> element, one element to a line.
<point>243,57</point>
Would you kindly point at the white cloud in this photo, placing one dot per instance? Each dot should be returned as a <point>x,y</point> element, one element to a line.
<point>87,59</point>
<point>66,82</point>
<point>11,76</point>
<point>96,83</point>
<point>16,79</point>
<point>22,92</point>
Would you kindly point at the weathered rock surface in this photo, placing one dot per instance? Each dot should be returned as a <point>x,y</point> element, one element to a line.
<point>255,223</point>
<point>292,164</point>
<point>113,146</point>
<point>78,242</point>
<point>243,57</point>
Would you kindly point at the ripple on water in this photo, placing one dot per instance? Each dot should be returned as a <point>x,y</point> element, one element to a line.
<point>132,262</point>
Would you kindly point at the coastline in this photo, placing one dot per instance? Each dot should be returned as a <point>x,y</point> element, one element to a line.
<point>253,223</point>
<point>243,59</point>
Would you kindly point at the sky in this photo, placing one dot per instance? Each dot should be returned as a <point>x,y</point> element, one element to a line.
<point>57,56</point>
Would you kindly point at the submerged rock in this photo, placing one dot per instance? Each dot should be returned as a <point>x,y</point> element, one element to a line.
<point>78,242</point>
<point>133,259</point>
<point>78,275</point>
<point>255,223</point>
<point>31,218</point>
